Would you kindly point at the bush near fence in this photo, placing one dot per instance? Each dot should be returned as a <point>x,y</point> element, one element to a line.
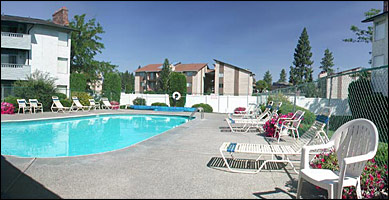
<point>159,104</point>
<point>207,108</point>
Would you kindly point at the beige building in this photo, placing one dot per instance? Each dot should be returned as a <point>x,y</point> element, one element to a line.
<point>147,76</point>
<point>232,80</point>
<point>339,83</point>
<point>379,51</point>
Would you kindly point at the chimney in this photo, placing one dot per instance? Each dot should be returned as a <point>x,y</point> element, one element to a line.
<point>385,6</point>
<point>61,16</point>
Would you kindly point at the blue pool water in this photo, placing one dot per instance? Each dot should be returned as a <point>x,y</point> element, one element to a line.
<point>81,135</point>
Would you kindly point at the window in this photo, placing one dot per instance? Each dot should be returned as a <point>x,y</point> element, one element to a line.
<point>9,56</point>
<point>378,61</point>
<point>62,65</point>
<point>188,84</point>
<point>62,39</point>
<point>220,85</point>
<point>221,74</point>
<point>189,73</point>
<point>152,75</point>
<point>379,32</point>
<point>62,89</point>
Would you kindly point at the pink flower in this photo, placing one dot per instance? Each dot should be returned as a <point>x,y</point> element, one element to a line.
<point>319,166</point>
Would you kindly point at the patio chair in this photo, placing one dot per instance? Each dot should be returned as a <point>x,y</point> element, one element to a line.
<point>76,105</point>
<point>284,151</point>
<point>94,104</point>
<point>58,105</point>
<point>287,124</point>
<point>35,105</point>
<point>22,104</point>
<point>355,142</point>
<point>107,104</point>
<point>244,125</point>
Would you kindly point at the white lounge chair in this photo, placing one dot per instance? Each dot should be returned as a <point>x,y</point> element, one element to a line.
<point>252,110</point>
<point>355,142</point>
<point>58,105</point>
<point>107,104</point>
<point>253,114</point>
<point>23,105</point>
<point>35,105</point>
<point>244,125</point>
<point>284,151</point>
<point>94,104</point>
<point>291,124</point>
<point>76,105</point>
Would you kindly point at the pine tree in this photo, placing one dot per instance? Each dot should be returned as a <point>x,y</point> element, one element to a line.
<point>282,76</point>
<point>267,78</point>
<point>302,71</point>
<point>292,75</point>
<point>163,80</point>
<point>327,62</point>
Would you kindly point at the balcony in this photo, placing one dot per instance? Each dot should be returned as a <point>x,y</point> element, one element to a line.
<point>15,41</point>
<point>14,71</point>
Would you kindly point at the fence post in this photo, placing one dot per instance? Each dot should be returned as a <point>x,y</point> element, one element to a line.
<point>329,104</point>
<point>295,97</point>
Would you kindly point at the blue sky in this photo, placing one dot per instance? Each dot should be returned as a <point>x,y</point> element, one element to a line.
<point>259,36</point>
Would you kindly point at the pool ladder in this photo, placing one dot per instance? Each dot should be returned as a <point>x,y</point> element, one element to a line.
<point>199,109</point>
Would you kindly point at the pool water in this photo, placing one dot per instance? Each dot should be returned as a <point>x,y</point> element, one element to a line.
<point>81,135</point>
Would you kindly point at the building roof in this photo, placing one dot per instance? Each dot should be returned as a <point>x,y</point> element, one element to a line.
<point>190,67</point>
<point>246,70</point>
<point>28,20</point>
<point>150,68</point>
<point>375,17</point>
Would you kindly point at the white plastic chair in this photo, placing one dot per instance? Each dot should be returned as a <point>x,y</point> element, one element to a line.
<point>34,104</point>
<point>94,104</point>
<point>291,124</point>
<point>355,142</point>
<point>78,106</point>
<point>23,105</point>
<point>58,105</point>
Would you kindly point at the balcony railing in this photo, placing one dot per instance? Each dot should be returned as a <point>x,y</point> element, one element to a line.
<point>14,71</point>
<point>15,40</point>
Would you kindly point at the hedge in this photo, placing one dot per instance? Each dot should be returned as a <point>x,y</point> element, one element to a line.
<point>206,107</point>
<point>139,101</point>
<point>159,104</point>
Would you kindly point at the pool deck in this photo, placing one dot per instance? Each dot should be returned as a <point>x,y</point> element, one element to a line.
<point>175,164</point>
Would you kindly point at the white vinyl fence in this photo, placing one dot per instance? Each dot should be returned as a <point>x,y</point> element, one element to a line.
<point>227,104</point>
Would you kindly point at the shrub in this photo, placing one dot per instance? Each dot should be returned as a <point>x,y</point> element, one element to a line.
<point>112,86</point>
<point>374,179</point>
<point>12,100</point>
<point>38,86</point>
<point>78,82</point>
<point>207,108</point>
<point>60,95</point>
<point>382,154</point>
<point>307,119</point>
<point>66,102</point>
<point>159,104</point>
<point>83,97</point>
<point>139,101</point>
<point>177,83</point>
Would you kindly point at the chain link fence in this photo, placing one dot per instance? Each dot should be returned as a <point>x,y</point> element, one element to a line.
<point>357,93</point>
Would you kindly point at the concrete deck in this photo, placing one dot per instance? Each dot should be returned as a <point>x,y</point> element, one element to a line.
<point>175,164</point>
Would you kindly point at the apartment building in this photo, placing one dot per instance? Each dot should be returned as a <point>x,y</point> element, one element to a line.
<point>232,80</point>
<point>339,83</point>
<point>380,50</point>
<point>29,44</point>
<point>146,77</point>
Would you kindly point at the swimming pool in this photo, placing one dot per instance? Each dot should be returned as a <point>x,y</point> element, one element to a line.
<point>81,135</point>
